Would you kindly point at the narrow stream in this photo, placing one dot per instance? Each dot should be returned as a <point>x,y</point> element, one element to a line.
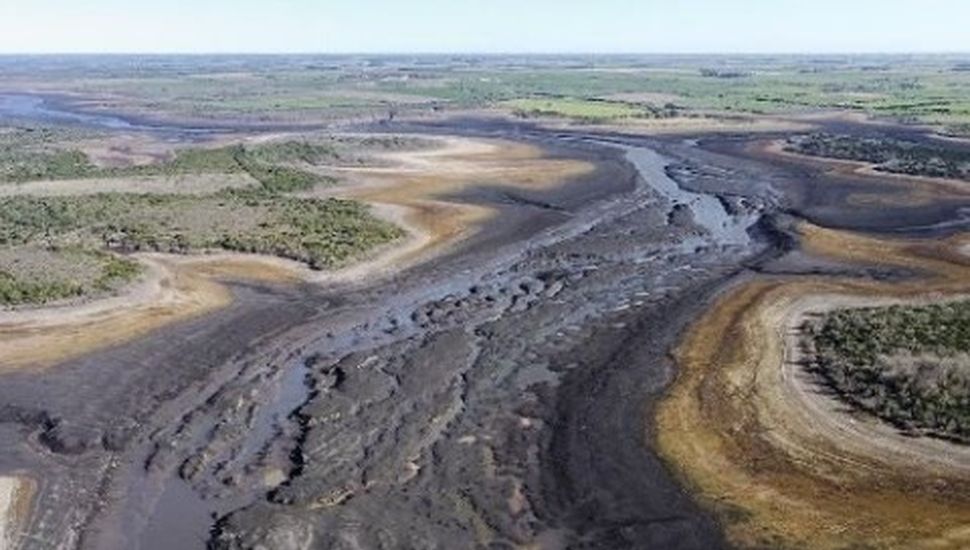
<point>37,108</point>
<point>709,212</point>
<point>44,110</point>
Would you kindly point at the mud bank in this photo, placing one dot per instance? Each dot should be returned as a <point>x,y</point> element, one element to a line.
<point>294,413</point>
<point>493,396</point>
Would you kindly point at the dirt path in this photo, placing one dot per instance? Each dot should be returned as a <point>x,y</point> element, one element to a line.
<point>818,415</point>
<point>189,184</point>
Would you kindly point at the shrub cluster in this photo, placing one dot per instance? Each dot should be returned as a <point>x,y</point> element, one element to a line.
<point>321,232</point>
<point>907,365</point>
<point>889,155</point>
<point>113,271</point>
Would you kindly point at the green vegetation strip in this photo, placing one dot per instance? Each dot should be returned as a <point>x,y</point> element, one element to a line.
<point>273,165</point>
<point>65,233</point>
<point>320,232</point>
<point>909,365</point>
<point>889,155</point>
<point>40,276</point>
<point>592,110</point>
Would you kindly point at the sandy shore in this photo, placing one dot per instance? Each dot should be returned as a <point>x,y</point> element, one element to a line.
<point>783,463</point>
<point>167,294</point>
<point>15,496</point>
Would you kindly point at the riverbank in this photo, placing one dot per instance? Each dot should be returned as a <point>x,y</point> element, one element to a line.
<point>780,462</point>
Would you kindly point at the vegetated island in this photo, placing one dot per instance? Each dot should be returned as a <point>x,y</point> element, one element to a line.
<point>888,155</point>
<point>909,365</point>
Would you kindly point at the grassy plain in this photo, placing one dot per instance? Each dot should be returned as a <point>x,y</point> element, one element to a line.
<point>926,89</point>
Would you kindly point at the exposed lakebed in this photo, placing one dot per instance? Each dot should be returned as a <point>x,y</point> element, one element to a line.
<point>492,396</point>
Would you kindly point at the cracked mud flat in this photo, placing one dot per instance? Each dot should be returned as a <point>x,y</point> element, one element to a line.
<point>493,397</point>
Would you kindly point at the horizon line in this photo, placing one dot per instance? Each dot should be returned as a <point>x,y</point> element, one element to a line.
<point>489,54</point>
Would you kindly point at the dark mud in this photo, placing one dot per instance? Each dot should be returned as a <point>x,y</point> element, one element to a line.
<point>498,396</point>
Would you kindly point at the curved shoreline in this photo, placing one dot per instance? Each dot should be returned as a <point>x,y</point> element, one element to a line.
<point>410,194</point>
<point>47,336</point>
<point>832,419</point>
<point>916,189</point>
<point>779,474</point>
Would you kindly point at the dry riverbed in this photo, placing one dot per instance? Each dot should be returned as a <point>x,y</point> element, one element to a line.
<point>500,390</point>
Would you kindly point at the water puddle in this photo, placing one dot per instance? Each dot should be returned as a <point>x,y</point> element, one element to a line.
<point>164,512</point>
<point>292,391</point>
<point>181,519</point>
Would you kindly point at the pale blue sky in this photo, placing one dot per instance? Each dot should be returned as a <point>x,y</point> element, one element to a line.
<point>337,26</point>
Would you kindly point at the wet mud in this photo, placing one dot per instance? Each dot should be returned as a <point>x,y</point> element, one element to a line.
<point>498,396</point>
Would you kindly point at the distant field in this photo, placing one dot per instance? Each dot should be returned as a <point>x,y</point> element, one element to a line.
<point>583,109</point>
<point>926,89</point>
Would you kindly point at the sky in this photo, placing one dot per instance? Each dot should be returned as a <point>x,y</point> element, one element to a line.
<point>484,26</point>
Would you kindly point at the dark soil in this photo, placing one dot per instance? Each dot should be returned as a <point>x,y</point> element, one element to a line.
<point>495,397</point>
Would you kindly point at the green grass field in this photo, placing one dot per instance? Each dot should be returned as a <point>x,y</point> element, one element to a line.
<point>582,109</point>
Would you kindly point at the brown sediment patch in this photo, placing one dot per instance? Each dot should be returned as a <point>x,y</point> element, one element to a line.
<point>168,293</point>
<point>418,182</point>
<point>16,494</point>
<point>786,466</point>
<point>915,190</point>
